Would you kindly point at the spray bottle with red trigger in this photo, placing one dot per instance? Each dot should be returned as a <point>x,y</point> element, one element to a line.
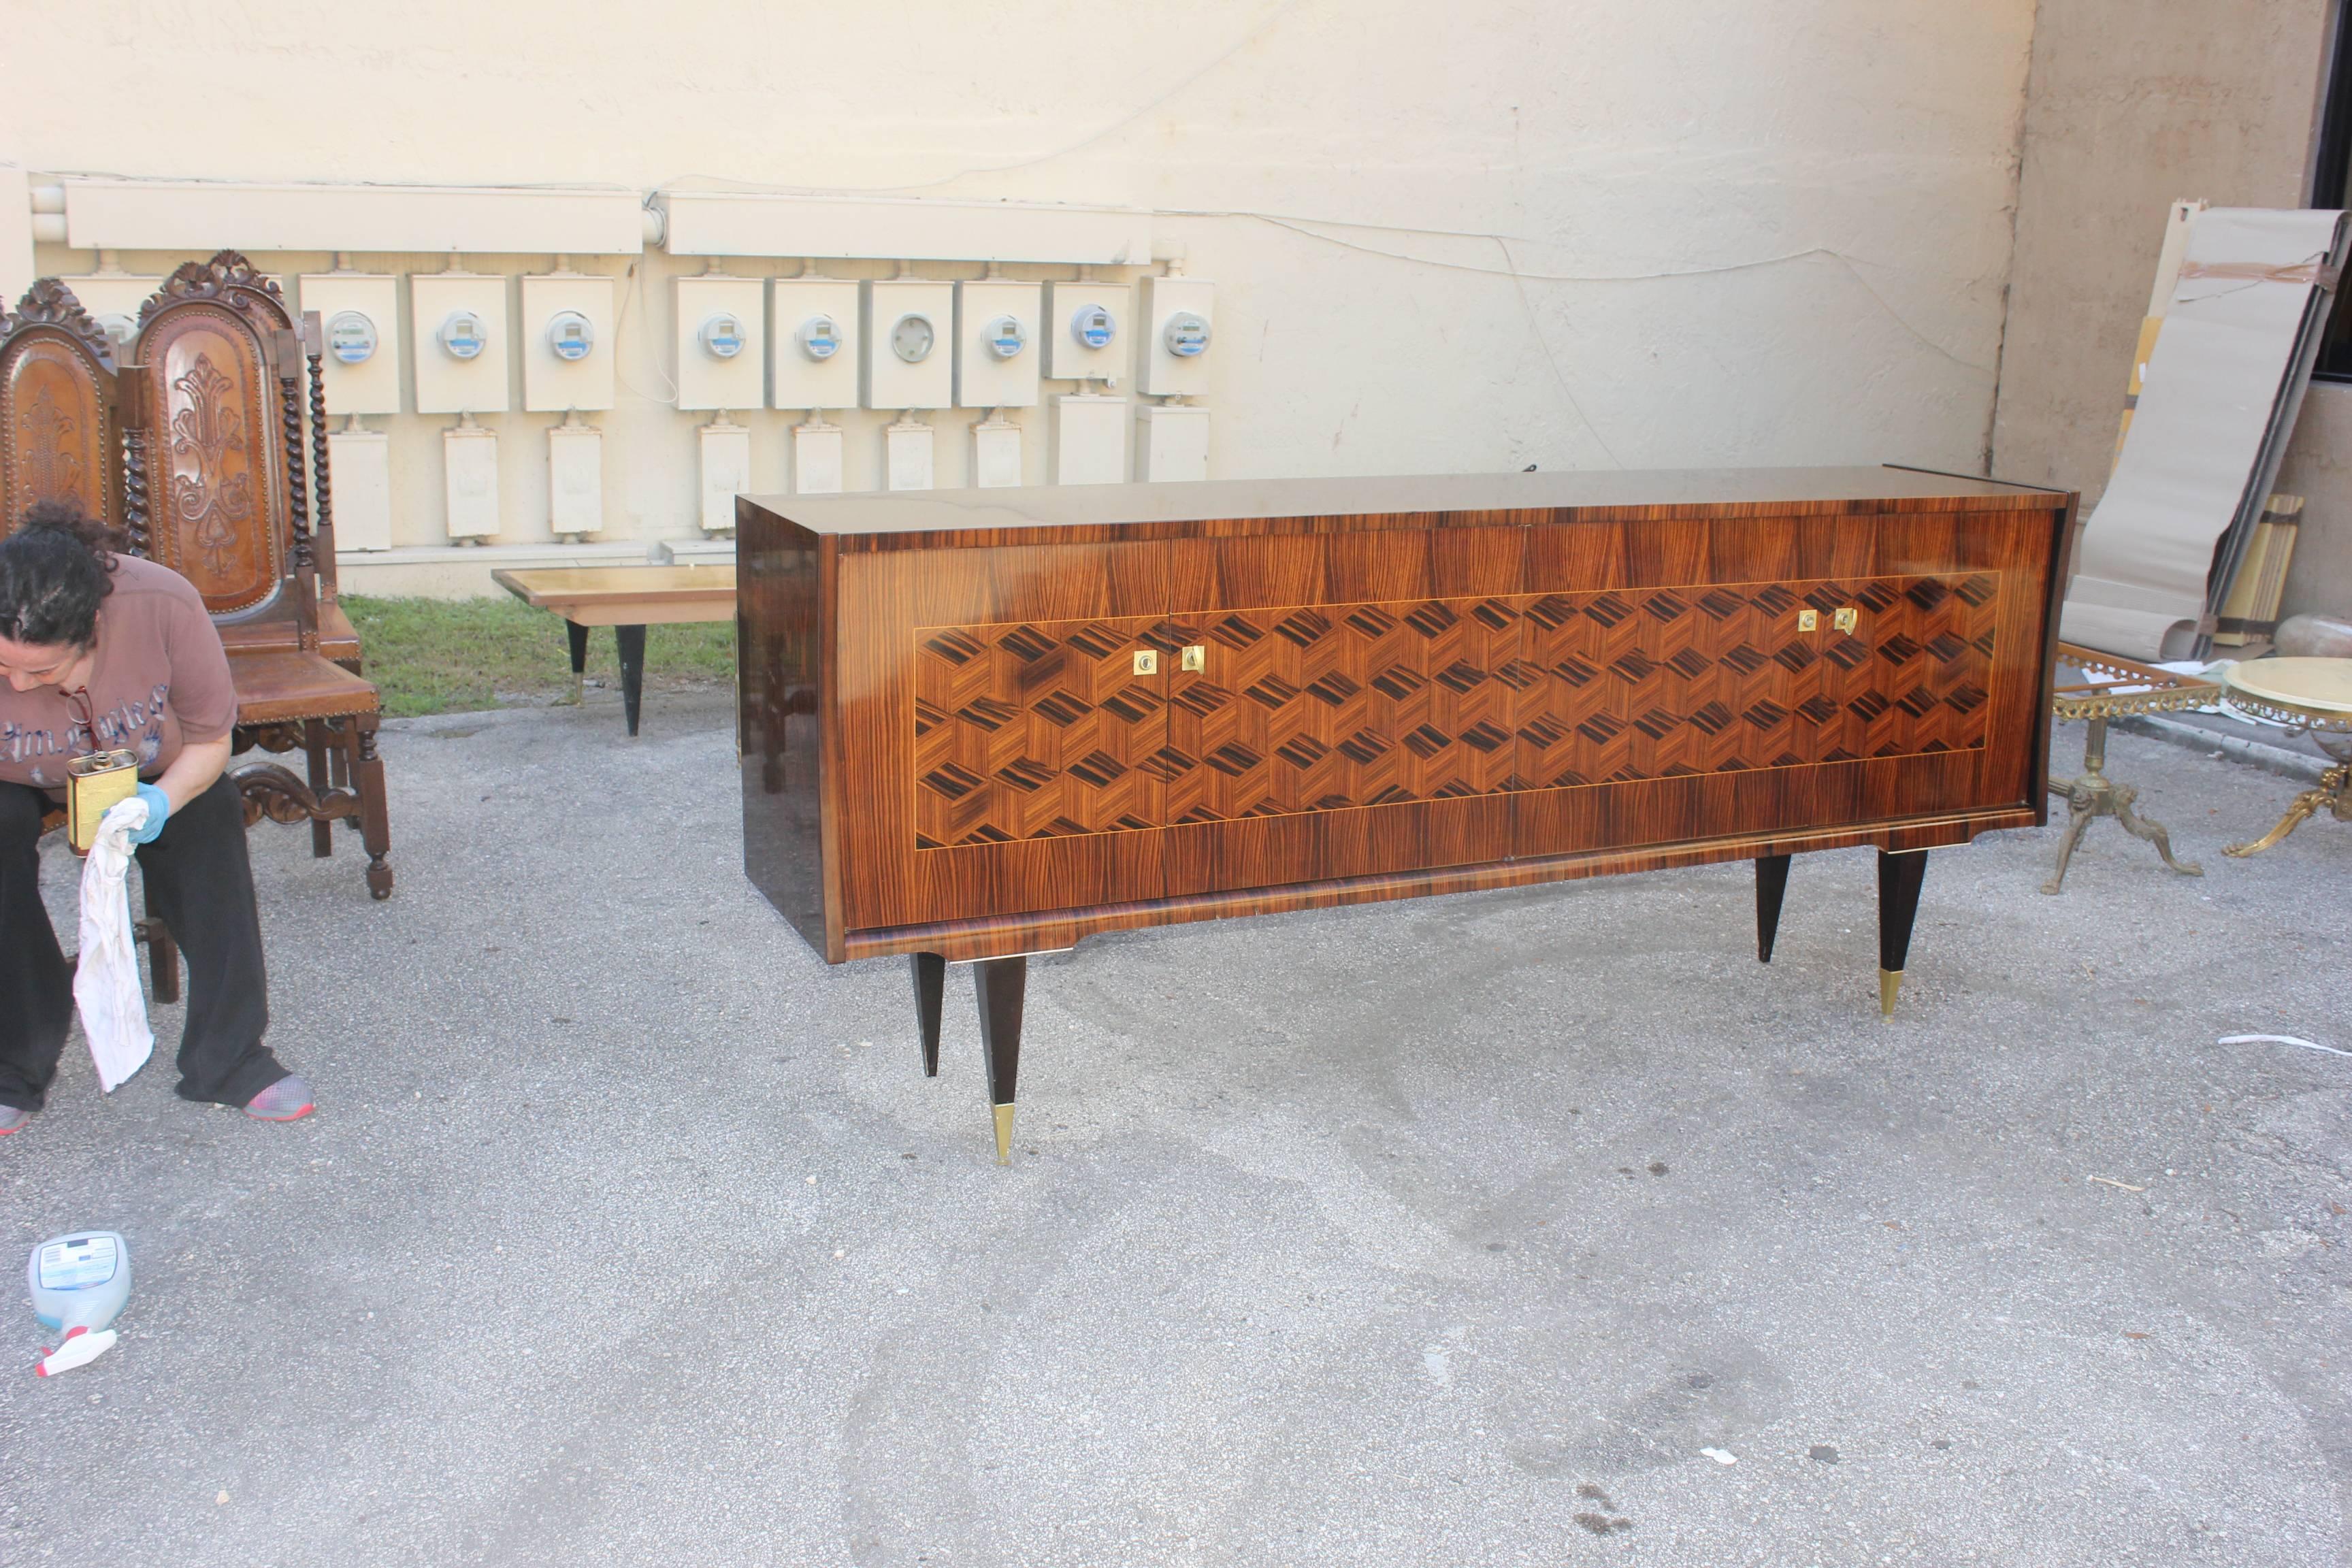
<point>80,1282</point>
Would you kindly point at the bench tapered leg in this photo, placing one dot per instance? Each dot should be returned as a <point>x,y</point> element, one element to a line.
<point>632,643</point>
<point>578,635</point>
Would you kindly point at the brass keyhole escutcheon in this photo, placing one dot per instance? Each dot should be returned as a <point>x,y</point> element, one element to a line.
<point>1809,620</point>
<point>1846,620</point>
<point>1195,659</point>
<point>1147,661</point>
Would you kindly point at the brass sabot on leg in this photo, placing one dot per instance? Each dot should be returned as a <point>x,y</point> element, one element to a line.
<point>1004,1135</point>
<point>1890,984</point>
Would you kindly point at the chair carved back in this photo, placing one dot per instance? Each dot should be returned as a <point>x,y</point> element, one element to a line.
<point>60,430</point>
<point>214,479</point>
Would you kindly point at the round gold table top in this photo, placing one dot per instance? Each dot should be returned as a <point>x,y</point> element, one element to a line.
<point>2320,687</point>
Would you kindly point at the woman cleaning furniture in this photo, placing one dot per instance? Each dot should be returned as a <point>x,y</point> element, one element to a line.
<point>105,652</point>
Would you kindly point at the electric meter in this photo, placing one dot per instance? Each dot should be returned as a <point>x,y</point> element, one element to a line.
<point>1006,336</point>
<point>1094,326</point>
<point>1186,334</point>
<point>723,336</point>
<point>351,337</point>
<point>820,337</point>
<point>462,335</point>
<point>571,336</point>
<point>913,337</point>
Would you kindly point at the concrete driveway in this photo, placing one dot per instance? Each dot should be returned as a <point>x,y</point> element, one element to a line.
<point>1525,1229</point>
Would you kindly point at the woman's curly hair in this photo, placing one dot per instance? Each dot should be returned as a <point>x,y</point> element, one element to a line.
<point>53,570</point>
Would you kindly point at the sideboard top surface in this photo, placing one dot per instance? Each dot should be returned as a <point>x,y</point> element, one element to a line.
<point>982,516</point>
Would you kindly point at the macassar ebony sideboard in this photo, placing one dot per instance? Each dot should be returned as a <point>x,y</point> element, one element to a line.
<point>978,725</point>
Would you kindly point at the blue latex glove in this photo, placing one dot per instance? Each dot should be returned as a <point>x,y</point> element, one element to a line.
<point>159,808</point>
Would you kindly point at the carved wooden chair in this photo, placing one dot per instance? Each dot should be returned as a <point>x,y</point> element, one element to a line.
<point>215,487</point>
<point>60,438</point>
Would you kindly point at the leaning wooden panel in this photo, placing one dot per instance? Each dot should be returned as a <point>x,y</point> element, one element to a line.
<point>1042,715</point>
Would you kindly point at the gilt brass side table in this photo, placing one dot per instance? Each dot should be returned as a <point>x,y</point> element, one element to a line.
<point>2314,694</point>
<point>2114,687</point>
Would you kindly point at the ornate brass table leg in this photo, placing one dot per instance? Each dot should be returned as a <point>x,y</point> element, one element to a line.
<point>2095,795</point>
<point>2334,790</point>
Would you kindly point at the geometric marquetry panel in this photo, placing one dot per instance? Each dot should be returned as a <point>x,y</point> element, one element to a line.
<point>1035,730</point>
<point>1329,707</point>
<point>1041,730</point>
<point>1660,682</point>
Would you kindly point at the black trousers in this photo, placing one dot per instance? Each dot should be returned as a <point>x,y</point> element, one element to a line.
<point>201,885</point>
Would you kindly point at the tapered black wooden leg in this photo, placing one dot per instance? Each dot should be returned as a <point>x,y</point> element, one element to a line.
<point>1899,876</point>
<point>1771,886</point>
<point>578,635</point>
<point>930,984</point>
<point>1001,983</point>
<point>632,643</point>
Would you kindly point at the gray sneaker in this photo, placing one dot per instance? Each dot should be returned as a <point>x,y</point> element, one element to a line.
<point>13,1120</point>
<point>288,1100</point>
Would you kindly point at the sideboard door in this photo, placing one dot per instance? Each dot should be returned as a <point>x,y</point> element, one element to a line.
<point>1035,730</point>
<point>1839,700</point>
<point>1641,683</point>
<point>1327,708</point>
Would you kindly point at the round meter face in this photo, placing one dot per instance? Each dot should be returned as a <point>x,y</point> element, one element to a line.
<point>351,337</point>
<point>913,337</point>
<point>463,335</point>
<point>722,336</point>
<point>820,338</point>
<point>571,336</point>
<point>1006,336</point>
<point>1186,334</point>
<point>118,326</point>
<point>1094,326</point>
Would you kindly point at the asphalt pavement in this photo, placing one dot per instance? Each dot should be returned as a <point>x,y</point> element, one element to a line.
<point>1535,1227</point>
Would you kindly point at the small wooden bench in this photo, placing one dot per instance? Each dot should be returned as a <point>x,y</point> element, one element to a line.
<point>628,599</point>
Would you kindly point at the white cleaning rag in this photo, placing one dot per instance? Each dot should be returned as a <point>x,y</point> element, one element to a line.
<point>106,977</point>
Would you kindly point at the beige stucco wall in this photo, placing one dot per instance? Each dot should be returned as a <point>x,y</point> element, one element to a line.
<point>1473,236</point>
<point>2131,104</point>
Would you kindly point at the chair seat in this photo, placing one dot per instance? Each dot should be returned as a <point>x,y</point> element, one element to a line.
<point>279,686</point>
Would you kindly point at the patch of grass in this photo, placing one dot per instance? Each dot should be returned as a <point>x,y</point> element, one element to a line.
<point>455,656</point>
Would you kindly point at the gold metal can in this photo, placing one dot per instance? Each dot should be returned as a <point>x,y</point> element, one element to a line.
<point>93,784</point>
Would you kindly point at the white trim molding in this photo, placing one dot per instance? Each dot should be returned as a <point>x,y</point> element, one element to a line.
<point>706,223</point>
<point>200,215</point>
